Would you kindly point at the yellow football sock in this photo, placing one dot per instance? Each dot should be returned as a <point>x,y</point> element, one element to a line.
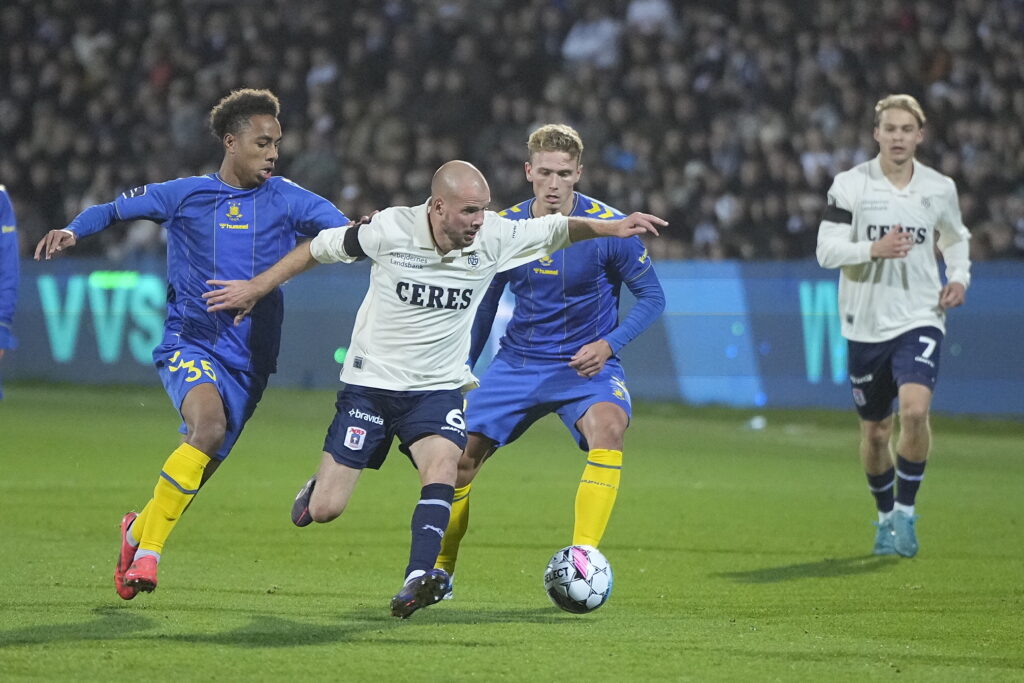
<point>457,526</point>
<point>595,497</point>
<point>140,522</point>
<point>179,481</point>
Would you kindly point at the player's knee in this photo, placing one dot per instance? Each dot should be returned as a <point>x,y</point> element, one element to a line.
<point>912,413</point>
<point>467,469</point>
<point>604,426</point>
<point>609,436</point>
<point>324,510</point>
<point>208,435</point>
<point>442,470</point>
<point>877,436</point>
<point>913,417</point>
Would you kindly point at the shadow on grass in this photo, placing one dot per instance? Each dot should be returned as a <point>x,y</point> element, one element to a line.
<point>828,568</point>
<point>111,623</point>
<point>370,625</point>
<point>270,631</point>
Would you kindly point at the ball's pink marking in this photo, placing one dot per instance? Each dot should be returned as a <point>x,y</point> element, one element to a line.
<point>580,560</point>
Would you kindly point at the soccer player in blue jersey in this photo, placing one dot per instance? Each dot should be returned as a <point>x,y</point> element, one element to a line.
<point>232,224</point>
<point>558,354</point>
<point>8,275</point>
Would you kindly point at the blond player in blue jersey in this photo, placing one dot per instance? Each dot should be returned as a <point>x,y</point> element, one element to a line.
<point>231,224</point>
<point>559,353</point>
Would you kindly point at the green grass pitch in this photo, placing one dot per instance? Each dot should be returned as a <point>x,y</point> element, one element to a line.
<point>738,555</point>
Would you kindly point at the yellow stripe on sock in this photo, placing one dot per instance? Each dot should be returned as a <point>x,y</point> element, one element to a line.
<point>595,497</point>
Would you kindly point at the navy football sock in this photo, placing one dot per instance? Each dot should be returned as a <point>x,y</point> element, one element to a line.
<point>910,475</point>
<point>881,487</point>
<point>429,522</point>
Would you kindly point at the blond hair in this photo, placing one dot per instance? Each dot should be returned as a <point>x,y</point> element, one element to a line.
<point>556,137</point>
<point>904,102</point>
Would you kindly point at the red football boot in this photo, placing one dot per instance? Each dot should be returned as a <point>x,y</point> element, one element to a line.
<point>124,560</point>
<point>142,574</point>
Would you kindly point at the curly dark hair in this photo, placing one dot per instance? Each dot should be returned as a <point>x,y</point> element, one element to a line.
<point>232,113</point>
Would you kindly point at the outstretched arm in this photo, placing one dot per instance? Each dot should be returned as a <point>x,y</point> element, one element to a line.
<point>634,224</point>
<point>90,221</point>
<point>242,295</point>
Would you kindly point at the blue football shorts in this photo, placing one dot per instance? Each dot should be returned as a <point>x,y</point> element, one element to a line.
<point>367,420</point>
<point>510,399</point>
<point>184,366</point>
<point>878,370</point>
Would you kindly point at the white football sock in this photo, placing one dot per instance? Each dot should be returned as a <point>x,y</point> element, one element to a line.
<point>130,537</point>
<point>148,553</point>
<point>907,509</point>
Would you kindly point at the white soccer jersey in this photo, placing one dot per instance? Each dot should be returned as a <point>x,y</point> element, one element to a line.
<point>412,331</point>
<point>879,299</point>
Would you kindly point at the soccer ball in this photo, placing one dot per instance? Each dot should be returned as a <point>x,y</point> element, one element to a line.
<point>578,579</point>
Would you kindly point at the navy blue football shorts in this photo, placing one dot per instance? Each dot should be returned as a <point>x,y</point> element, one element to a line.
<point>367,420</point>
<point>184,366</point>
<point>878,370</point>
<point>510,398</point>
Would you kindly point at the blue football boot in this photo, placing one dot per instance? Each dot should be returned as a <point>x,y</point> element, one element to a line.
<point>905,537</point>
<point>885,540</point>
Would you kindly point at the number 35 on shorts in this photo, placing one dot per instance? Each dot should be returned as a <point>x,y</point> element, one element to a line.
<point>175,364</point>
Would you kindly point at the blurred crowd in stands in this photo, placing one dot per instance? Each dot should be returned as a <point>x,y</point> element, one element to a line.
<point>727,117</point>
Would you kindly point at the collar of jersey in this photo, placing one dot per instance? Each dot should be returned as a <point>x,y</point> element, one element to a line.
<point>882,180</point>
<point>422,239</point>
<point>234,187</point>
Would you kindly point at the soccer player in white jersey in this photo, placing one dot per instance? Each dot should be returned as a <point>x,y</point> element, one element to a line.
<point>884,219</point>
<point>406,370</point>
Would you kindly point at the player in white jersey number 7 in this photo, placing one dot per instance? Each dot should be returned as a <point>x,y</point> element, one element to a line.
<point>884,219</point>
<point>405,371</point>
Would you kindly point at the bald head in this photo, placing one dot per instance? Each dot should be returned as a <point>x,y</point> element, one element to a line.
<point>458,177</point>
<point>458,201</point>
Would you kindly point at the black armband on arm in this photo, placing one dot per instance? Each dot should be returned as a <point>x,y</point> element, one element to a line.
<point>351,243</point>
<point>836,215</point>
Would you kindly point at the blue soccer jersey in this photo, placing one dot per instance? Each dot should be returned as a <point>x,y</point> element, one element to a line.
<point>571,298</point>
<point>219,232</point>
<point>8,271</point>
